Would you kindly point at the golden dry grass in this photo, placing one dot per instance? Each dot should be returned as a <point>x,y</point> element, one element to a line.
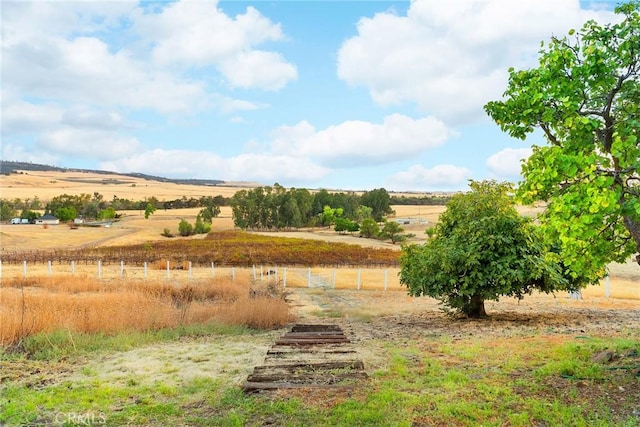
<point>80,304</point>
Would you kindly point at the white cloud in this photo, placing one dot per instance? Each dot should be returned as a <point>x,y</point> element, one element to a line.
<point>507,163</point>
<point>359,143</point>
<point>450,58</point>
<point>440,177</point>
<point>263,168</point>
<point>266,70</point>
<point>198,34</point>
<point>93,143</point>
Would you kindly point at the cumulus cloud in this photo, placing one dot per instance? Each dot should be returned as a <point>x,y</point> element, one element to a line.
<point>450,58</point>
<point>440,177</point>
<point>507,163</point>
<point>93,143</point>
<point>362,143</point>
<point>199,34</point>
<point>265,168</point>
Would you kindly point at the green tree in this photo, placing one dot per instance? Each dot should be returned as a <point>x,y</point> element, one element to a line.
<point>66,213</point>
<point>345,224</point>
<point>393,231</point>
<point>7,210</point>
<point>30,215</point>
<point>481,249</point>
<point>369,228</point>
<point>585,98</point>
<point>148,210</point>
<point>200,226</point>
<point>184,228</point>
<point>109,213</point>
<point>379,201</point>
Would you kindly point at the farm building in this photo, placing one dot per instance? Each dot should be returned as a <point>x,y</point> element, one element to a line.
<point>48,219</point>
<point>408,221</point>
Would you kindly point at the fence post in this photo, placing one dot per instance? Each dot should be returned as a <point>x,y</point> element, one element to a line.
<point>73,267</point>
<point>358,283</point>
<point>190,271</point>
<point>308,277</point>
<point>145,269</point>
<point>254,272</point>
<point>284,277</point>
<point>24,269</point>
<point>333,279</point>
<point>386,279</point>
<point>49,268</point>
<point>99,269</point>
<point>213,270</point>
<point>121,269</point>
<point>168,268</point>
<point>261,275</point>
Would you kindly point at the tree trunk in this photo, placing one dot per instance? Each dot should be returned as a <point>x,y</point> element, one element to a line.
<point>475,307</point>
<point>634,230</point>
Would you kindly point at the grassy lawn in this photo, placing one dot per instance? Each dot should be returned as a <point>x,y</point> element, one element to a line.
<point>551,380</point>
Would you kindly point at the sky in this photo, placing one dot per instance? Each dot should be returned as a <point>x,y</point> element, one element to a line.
<point>350,95</point>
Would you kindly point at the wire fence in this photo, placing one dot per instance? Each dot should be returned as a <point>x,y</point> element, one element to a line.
<point>293,277</point>
<point>310,277</point>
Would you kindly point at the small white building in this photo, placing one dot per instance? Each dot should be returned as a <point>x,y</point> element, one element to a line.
<point>48,219</point>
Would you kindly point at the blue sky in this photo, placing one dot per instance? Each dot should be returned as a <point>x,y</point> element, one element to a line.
<point>350,95</point>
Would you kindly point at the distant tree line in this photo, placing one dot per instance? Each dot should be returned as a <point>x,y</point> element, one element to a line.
<point>278,208</point>
<point>67,207</point>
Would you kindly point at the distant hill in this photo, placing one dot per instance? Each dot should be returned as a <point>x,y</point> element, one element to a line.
<point>8,167</point>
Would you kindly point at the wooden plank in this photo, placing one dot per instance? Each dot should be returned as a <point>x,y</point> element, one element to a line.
<point>312,328</point>
<point>284,341</point>
<point>289,350</point>
<point>251,386</point>
<point>306,378</point>
<point>342,364</point>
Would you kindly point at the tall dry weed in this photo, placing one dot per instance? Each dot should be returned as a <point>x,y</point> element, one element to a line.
<point>80,304</point>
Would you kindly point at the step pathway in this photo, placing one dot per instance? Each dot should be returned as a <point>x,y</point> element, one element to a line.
<point>310,356</point>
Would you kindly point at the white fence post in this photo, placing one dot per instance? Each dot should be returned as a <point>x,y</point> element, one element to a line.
<point>386,279</point>
<point>121,269</point>
<point>284,277</point>
<point>145,269</point>
<point>213,270</point>
<point>254,272</point>
<point>49,268</point>
<point>333,279</point>
<point>99,269</point>
<point>190,270</point>
<point>73,267</point>
<point>24,269</point>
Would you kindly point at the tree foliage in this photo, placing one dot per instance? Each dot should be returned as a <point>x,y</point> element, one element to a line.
<point>149,209</point>
<point>379,201</point>
<point>585,98</point>
<point>369,228</point>
<point>393,231</point>
<point>481,249</point>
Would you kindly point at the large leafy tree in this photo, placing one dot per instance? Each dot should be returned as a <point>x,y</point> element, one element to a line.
<point>585,98</point>
<point>379,201</point>
<point>481,249</point>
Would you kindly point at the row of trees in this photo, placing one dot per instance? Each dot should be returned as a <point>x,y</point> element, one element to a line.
<point>277,208</point>
<point>67,207</point>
